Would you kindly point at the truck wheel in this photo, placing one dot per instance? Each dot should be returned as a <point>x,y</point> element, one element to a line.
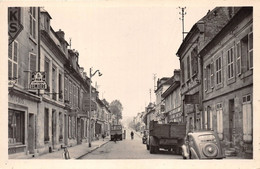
<point>152,149</point>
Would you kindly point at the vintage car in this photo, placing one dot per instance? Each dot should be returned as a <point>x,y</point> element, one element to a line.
<point>202,145</point>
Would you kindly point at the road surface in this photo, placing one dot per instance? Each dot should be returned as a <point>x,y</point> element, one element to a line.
<point>128,149</point>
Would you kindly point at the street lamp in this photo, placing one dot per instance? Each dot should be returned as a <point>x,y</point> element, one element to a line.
<point>90,76</point>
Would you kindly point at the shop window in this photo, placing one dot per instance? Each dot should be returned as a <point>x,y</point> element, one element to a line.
<point>16,127</point>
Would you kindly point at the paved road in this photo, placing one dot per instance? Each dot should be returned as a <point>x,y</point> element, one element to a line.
<point>128,149</point>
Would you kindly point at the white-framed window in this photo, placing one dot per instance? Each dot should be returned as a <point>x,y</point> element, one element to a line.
<point>219,111</point>
<point>13,61</point>
<point>218,70</point>
<point>47,73</point>
<point>247,118</point>
<point>230,63</point>
<point>239,58</point>
<point>212,74</point>
<point>250,50</point>
<point>54,82</point>
<point>32,14</point>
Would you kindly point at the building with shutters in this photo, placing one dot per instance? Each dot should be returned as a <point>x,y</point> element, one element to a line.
<point>51,115</point>
<point>172,97</point>
<point>191,63</point>
<point>228,83</point>
<point>23,59</point>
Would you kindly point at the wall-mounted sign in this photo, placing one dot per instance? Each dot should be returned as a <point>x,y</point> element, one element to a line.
<point>38,81</point>
<point>14,23</point>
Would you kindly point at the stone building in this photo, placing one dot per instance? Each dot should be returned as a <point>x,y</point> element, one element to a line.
<point>228,83</point>
<point>172,98</point>
<point>23,60</point>
<point>162,86</point>
<point>200,34</point>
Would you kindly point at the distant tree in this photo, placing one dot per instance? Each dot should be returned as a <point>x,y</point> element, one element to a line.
<point>116,108</point>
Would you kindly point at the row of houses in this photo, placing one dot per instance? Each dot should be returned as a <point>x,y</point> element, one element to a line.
<point>42,120</point>
<point>213,89</point>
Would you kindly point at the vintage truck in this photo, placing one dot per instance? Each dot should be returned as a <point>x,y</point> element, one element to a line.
<point>116,130</point>
<point>167,136</point>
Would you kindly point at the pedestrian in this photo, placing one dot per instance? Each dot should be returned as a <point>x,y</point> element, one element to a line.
<point>66,154</point>
<point>115,137</point>
<point>132,135</point>
<point>103,136</point>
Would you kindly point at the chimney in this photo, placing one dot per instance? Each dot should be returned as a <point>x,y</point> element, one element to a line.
<point>61,34</point>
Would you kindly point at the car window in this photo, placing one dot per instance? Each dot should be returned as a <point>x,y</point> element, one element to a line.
<point>207,137</point>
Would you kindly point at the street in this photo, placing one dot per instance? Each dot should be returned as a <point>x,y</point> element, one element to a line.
<point>128,149</point>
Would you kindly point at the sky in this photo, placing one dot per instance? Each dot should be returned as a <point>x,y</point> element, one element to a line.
<point>128,44</point>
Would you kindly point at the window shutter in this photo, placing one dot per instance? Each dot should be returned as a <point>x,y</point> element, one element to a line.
<point>239,58</point>
<point>32,64</point>
<point>250,49</point>
<point>212,74</point>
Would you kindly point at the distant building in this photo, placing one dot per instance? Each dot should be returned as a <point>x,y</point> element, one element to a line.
<point>172,98</point>
<point>162,86</point>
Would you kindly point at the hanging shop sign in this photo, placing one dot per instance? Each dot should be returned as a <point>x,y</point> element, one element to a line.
<point>38,81</point>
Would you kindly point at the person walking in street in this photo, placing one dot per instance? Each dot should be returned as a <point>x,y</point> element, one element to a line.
<point>66,154</point>
<point>115,137</point>
<point>132,135</point>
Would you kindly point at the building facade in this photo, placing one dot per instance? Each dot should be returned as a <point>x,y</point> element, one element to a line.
<point>23,59</point>
<point>172,99</point>
<point>228,83</point>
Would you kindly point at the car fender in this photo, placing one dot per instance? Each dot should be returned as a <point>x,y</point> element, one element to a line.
<point>194,155</point>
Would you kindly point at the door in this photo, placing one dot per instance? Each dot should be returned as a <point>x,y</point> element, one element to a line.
<point>66,129</point>
<point>231,121</point>
<point>31,129</point>
<point>78,131</point>
<point>53,128</point>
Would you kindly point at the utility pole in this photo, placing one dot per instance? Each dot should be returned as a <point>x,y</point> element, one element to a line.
<point>150,95</point>
<point>154,80</point>
<point>182,13</point>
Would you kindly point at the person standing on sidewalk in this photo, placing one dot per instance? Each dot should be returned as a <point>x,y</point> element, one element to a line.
<point>132,135</point>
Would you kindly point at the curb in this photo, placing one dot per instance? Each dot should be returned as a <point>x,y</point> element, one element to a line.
<point>91,150</point>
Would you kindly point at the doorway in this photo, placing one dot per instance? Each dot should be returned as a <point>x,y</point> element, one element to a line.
<point>53,128</point>
<point>31,129</point>
<point>231,121</point>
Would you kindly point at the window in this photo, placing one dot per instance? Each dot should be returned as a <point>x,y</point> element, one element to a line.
<point>220,120</point>
<point>250,50</point>
<point>66,87</point>
<point>194,61</point>
<point>230,63</point>
<point>247,118</point>
<point>239,58</point>
<point>33,64</point>
<point>206,78</point>
<point>212,75</point>
<point>46,125</point>
<point>60,87</point>
<point>12,61</point>
<point>218,70</point>
<point>47,73</point>
<point>54,83</point>
<point>182,72</point>
<point>16,127</point>
<point>70,92</point>
<point>188,67</point>
<point>247,52</point>
<point>32,22</point>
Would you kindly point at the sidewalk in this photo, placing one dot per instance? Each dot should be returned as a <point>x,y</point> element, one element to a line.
<point>75,151</point>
